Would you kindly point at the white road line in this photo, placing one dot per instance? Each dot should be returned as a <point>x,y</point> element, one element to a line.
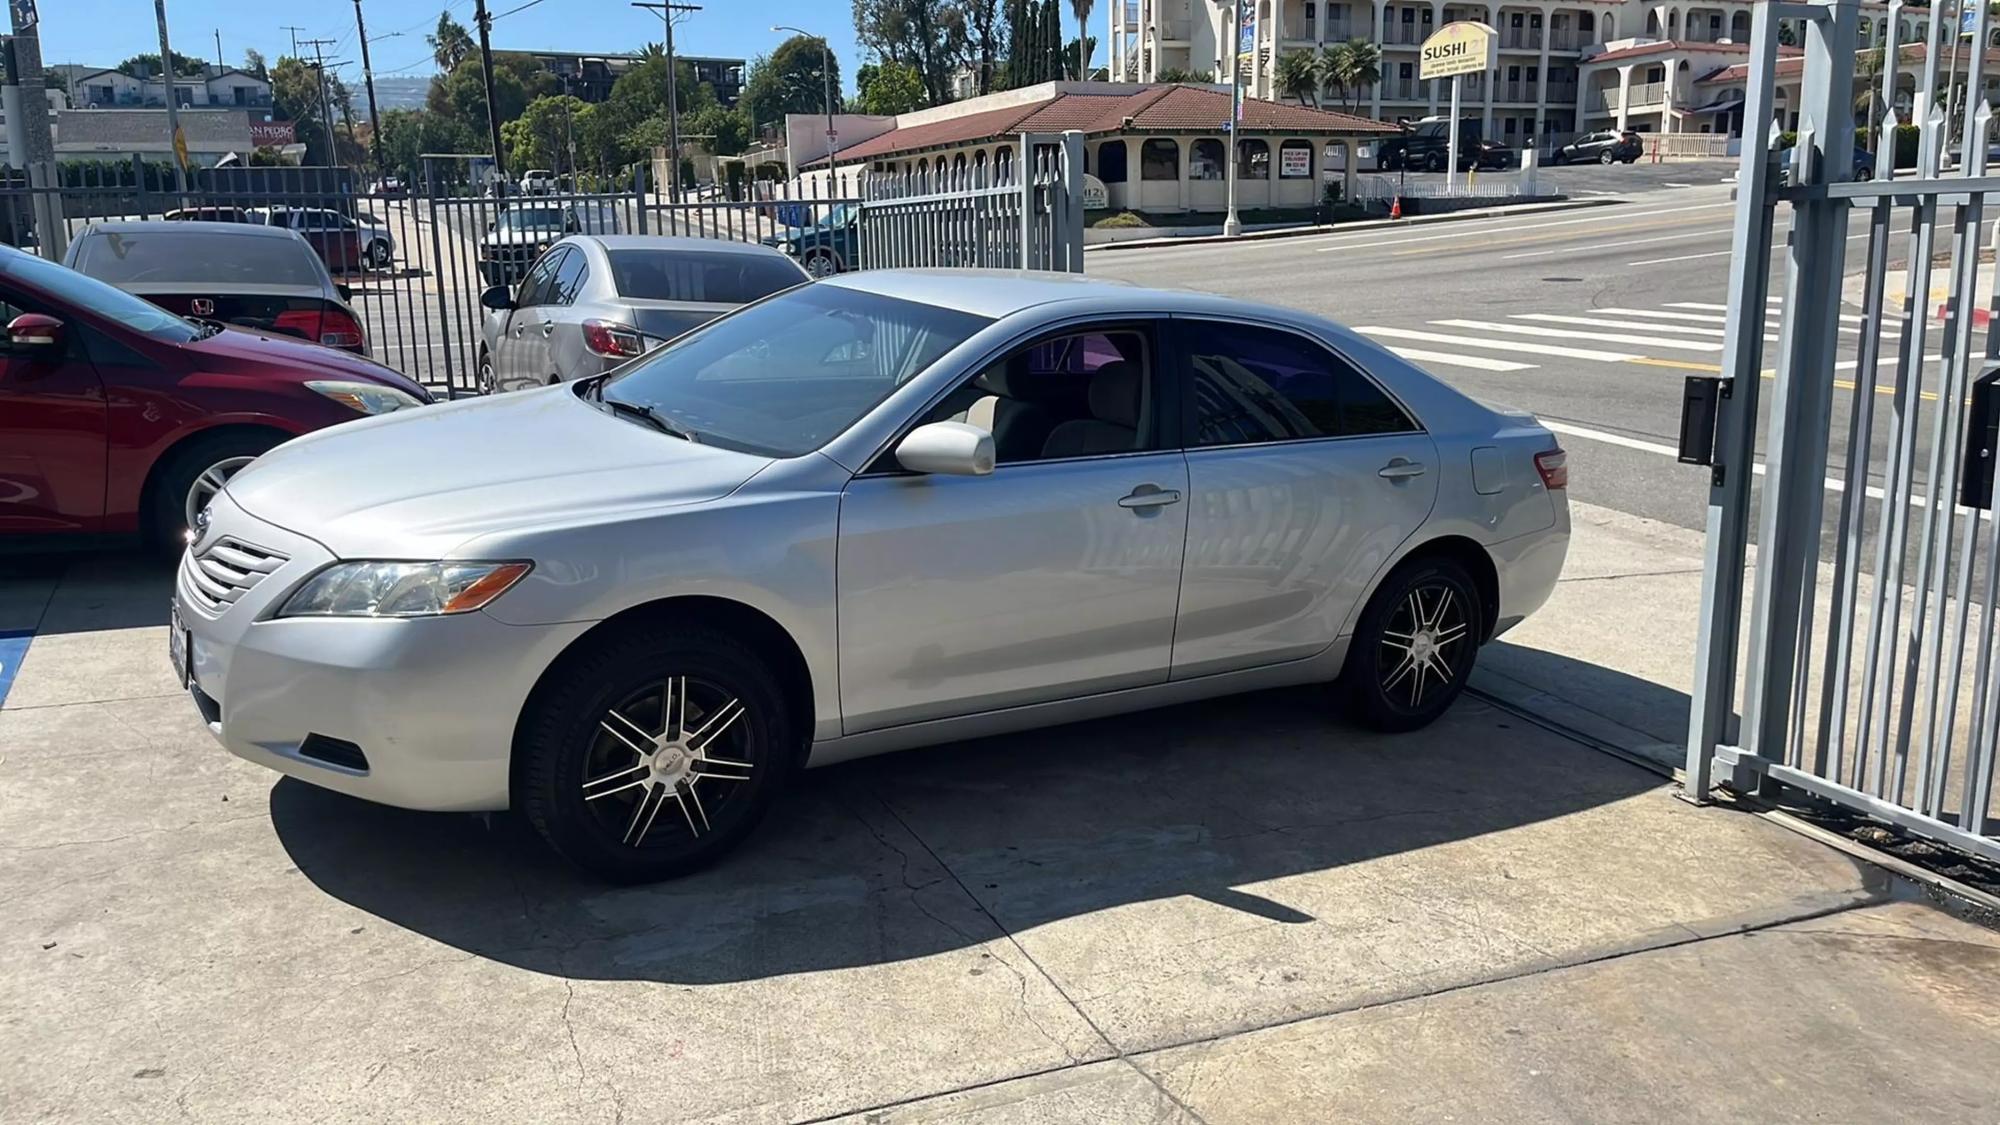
<point>1593,322</point>
<point>1703,317</point>
<point>1571,334</point>
<point>1609,245</point>
<point>1498,345</point>
<point>1486,227</point>
<point>1480,363</point>
<point>1697,305</point>
<point>1680,258</point>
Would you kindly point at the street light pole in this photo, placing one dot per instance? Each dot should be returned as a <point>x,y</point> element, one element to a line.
<point>826,72</point>
<point>1231,225</point>
<point>174,141</point>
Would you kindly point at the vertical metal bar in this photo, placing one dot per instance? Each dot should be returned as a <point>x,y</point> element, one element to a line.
<point>1027,201</point>
<point>1726,544</point>
<point>1828,759</point>
<point>639,197</point>
<point>437,283</point>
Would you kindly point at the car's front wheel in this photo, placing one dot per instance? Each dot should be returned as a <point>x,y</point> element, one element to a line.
<point>1607,157</point>
<point>821,263</point>
<point>1413,648</point>
<point>380,256</point>
<point>653,753</point>
<point>489,383</point>
<point>192,475</point>
<point>1434,162</point>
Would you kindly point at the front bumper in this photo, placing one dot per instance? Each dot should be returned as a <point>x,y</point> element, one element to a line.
<point>431,702</point>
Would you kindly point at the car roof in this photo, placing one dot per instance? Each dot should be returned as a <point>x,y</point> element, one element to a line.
<point>673,243</point>
<point>996,293</point>
<point>145,226</point>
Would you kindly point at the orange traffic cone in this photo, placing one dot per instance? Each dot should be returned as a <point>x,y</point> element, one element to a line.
<point>1396,208</point>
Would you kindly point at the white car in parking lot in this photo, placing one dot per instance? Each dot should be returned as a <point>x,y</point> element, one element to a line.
<point>885,510</point>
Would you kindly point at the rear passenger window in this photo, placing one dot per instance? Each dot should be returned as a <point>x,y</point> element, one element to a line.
<point>1250,385</point>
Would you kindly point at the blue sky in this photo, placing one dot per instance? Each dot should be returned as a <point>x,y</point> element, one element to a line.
<point>106,31</point>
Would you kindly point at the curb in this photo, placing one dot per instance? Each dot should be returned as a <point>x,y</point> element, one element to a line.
<point>1364,225</point>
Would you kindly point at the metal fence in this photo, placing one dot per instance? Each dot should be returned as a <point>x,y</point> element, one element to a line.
<point>1864,661</point>
<point>413,264</point>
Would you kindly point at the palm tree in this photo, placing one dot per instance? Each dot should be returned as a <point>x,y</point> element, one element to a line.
<point>1354,66</point>
<point>1330,66</point>
<point>1298,76</point>
<point>1081,8</point>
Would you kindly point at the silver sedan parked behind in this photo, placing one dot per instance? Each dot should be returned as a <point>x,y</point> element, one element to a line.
<point>885,510</point>
<point>592,302</point>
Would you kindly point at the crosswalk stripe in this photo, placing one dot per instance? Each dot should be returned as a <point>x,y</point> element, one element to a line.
<point>1703,317</point>
<point>1572,334</point>
<point>1593,322</point>
<point>1697,305</point>
<point>1479,363</point>
<point>1497,345</point>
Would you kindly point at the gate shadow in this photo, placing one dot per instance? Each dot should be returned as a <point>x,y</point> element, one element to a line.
<point>933,850</point>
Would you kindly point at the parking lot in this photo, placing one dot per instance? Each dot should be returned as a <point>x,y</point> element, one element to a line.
<point>1246,910</point>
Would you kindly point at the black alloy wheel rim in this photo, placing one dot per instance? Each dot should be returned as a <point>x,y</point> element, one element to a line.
<point>669,766</point>
<point>1423,645</point>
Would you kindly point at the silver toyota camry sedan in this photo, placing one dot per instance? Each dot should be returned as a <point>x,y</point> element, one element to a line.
<point>893,509</point>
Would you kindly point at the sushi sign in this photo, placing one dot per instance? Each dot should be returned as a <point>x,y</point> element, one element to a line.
<point>1464,47</point>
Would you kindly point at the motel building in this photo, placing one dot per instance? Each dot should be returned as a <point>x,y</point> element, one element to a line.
<point>1153,147</point>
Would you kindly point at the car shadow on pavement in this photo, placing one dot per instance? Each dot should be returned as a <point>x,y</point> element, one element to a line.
<point>47,594</point>
<point>942,849</point>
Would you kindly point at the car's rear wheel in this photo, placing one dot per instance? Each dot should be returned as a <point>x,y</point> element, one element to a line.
<point>820,263</point>
<point>380,256</point>
<point>190,478</point>
<point>1434,162</point>
<point>1607,157</point>
<point>655,753</point>
<point>1414,646</point>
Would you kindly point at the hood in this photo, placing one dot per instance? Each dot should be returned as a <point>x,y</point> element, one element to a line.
<point>421,483</point>
<point>247,351</point>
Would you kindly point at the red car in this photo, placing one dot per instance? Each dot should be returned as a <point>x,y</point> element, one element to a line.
<point>119,418</point>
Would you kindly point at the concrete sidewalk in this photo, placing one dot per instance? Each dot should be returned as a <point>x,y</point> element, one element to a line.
<point>1238,911</point>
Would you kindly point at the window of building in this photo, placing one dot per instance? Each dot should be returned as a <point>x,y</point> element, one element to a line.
<point>1261,385</point>
<point>1253,160</point>
<point>1295,160</point>
<point>1159,159</point>
<point>1206,159</point>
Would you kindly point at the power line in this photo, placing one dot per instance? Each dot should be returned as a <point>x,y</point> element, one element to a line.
<point>521,8</point>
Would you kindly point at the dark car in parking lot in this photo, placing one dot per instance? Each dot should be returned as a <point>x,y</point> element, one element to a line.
<point>1607,147</point>
<point>829,246</point>
<point>1425,146</point>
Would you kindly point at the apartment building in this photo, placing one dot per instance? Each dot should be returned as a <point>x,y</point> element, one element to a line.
<point>96,88</point>
<point>1563,66</point>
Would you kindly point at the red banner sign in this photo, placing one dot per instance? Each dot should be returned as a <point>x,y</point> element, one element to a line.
<point>272,134</point>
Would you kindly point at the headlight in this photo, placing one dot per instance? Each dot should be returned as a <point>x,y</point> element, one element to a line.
<point>365,398</point>
<point>402,589</point>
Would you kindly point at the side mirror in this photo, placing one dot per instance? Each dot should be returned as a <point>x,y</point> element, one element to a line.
<point>951,448</point>
<point>496,298</point>
<point>35,333</point>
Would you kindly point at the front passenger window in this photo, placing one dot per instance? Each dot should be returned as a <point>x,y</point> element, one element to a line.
<point>1082,394</point>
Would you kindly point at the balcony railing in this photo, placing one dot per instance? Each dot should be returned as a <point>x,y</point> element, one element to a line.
<point>1643,95</point>
<point>1403,90</point>
<point>1568,39</point>
<point>1174,29</point>
<point>1402,34</point>
<point>1521,38</point>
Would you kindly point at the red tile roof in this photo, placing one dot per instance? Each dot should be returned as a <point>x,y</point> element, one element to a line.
<point>1793,64</point>
<point>1170,108</point>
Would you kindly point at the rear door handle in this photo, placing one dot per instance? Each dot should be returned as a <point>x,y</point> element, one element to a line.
<point>1400,469</point>
<point>1149,496</point>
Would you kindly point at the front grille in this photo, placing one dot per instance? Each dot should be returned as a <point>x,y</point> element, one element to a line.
<point>223,571</point>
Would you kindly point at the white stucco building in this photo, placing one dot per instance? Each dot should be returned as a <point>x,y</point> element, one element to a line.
<point>1564,66</point>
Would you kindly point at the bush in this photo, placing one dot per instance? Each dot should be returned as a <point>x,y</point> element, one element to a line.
<point>1120,220</point>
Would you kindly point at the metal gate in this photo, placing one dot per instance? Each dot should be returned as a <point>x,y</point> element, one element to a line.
<point>1865,660</point>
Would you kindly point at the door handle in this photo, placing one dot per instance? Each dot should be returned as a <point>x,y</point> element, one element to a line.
<point>1149,496</point>
<point>1400,469</point>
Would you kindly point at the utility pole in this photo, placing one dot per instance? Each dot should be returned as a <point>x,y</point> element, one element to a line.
<point>325,101</point>
<point>29,143</point>
<point>1231,225</point>
<point>174,139</point>
<point>220,66</point>
<point>485,22</point>
<point>368,77</point>
<point>295,37</point>
<point>667,11</point>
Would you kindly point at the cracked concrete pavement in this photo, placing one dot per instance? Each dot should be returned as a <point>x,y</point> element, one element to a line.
<point>1242,911</point>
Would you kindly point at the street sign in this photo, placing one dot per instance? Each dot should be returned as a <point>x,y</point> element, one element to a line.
<point>1461,47</point>
<point>181,146</point>
<point>1968,22</point>
<point>24,15</point>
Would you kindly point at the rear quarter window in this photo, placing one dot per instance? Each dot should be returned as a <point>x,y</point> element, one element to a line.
<point>726,278</point>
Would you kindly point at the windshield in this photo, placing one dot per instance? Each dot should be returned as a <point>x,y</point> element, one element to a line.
<point>205,257</point>
<point>72,288</point>
<point>726,278</point>
<point>532,218</point>
<point>784,376</point>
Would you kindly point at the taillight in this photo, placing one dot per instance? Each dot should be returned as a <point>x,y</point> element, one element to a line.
<point>339,329</point>
<point>612,340</point>
<point>1554,467</point>
<point>303,323</point>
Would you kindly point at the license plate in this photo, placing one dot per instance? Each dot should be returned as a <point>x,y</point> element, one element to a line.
<point>177,645</point>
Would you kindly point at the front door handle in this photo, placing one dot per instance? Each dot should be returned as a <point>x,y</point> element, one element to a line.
<point>1149,496</point>
<point>1400,469</point>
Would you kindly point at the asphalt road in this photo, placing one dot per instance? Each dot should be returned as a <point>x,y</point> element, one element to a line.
<point>1590,318</point>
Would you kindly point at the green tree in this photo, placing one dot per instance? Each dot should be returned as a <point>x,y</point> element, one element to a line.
<point>928,35</point>
<point>409,133</point>
<point>889,88</point>
<point>517,80</point>
<point>1353,68</point>
<point>1298,76</point>
<point>542,135</point>
<point>253,63</point>
<point>1081,9</point>
<point>450,43</point>
<point>727,130</point>
<point>791,79</point>
<point>148,65</point>
<point>985,41</point>
<point>1182,74</point>
<point>295,97</point>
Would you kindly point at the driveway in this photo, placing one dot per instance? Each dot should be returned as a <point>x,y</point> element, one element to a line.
<point>1244,910</point>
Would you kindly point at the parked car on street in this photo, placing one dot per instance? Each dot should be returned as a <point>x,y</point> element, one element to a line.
<point>880,511</point>
<point>516,237</point>
<point>207,215</point>
<point>118,417</point>
<point>333,236</point>
<point>1861,165</point>
<point>389,187</point>
<point>258,277</point>
<point>593,302</point>
<point>1606,147</point>
<point>538,181</point>
<point>827,247</point>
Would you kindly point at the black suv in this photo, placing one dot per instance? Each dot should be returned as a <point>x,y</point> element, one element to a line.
<point>1600,148</point>
<point>1425,145</point>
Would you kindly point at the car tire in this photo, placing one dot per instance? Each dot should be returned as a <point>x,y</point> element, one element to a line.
<point>615,735</point>
<point>1607,157</point>
<point>1400,675</point>
<point>1394,161</point>
<point>191,476</point>
<point>820,263</point>
<point>1434,162</point>
<point>380,256</point>
<point>489,382</point>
